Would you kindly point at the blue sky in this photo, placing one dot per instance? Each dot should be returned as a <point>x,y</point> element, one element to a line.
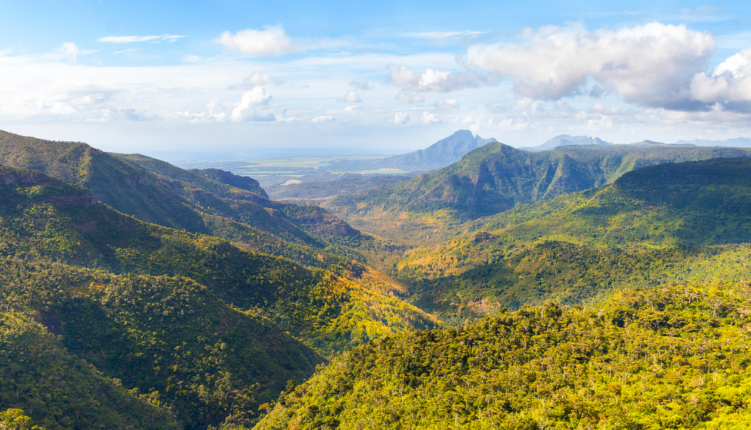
<point>226,79</point>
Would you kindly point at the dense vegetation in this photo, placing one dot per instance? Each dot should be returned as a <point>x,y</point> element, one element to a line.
<point>125,187</point>
<point>645,229</point>
<point>673,357</point>
<point>495,178</point>
<point>43,218</point>
<point>167,338</point>
<point>109,321</point>
<point>60,390</point>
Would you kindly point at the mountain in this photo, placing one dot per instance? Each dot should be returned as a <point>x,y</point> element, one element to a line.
<point>495,178</point>
<point>168,340</point>
<point>660,224</point>
<point>440,154</point>
<point>671,357</point>
<point>738,142</point>
<point>42,218</point>
<point>59,390</point>
<point>566,140</point>
<point>123,186</point>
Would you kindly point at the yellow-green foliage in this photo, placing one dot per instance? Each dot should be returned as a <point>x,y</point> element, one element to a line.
<point>14,419</point>
<point>672,357</point>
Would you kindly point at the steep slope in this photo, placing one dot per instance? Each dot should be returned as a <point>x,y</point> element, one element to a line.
<point>123,186</point>
<point>215,181</point>
<point>44,218</point>
<point>167,337</point>
<point>663,358</point>
<point>59,391</point>
<point>496,178</point>
<point>290,222</point>
<point>566,140</point>
<point>662,215</point>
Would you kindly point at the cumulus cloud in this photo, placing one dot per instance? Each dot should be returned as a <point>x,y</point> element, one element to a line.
<point>350,108</point>
<point>255,79</point>
<point>409,97</point>
<point>430,118</point>
<point>401,118</point>
<point>324,118</point>
<point>431,81</point>
<point>447,104</point>
<point>253,107</point>
<point>352,97</point>
<point>132,39</point>
<point>652,65</point>
<point>728,84</point>
<point>269,42</point>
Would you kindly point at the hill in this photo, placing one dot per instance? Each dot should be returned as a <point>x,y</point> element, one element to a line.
<point>650,226</point>
<point>124,187</point>
<point>566,140</point>
<point>496,178</point>
<point>41,218</point>
<point>671,357</point>
<point>58,389</point>
<point>166,339</point>
<point>157,192</point>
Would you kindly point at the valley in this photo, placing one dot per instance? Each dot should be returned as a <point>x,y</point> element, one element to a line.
<point>461,289</point>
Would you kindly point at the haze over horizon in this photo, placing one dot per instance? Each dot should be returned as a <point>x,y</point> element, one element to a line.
<point>233,80</point>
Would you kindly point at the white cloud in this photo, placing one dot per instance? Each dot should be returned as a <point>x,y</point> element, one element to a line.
<point>432,80</point>
<point>729,82</point>
<point>447,104</point>
<point>430,118</point>
<point>269,42</point>
<point>132,39</point>
<point>324,118</point>
<point>349,108</point>
<point>252,107</point>
<point>409,97</point>
<point>70,51</point>
<point>191,58</point>
<point>401,118</point>
<point>652,65</point>
<point>352,97</point>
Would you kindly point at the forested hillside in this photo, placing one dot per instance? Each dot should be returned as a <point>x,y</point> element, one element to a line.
<point>44,218</point>
<point>168,340</point>
<point>673,357</point>
<point>649,227</point>
<point>496,178</point>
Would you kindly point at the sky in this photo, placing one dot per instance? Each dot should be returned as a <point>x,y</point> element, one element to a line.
<point>239,79</point>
